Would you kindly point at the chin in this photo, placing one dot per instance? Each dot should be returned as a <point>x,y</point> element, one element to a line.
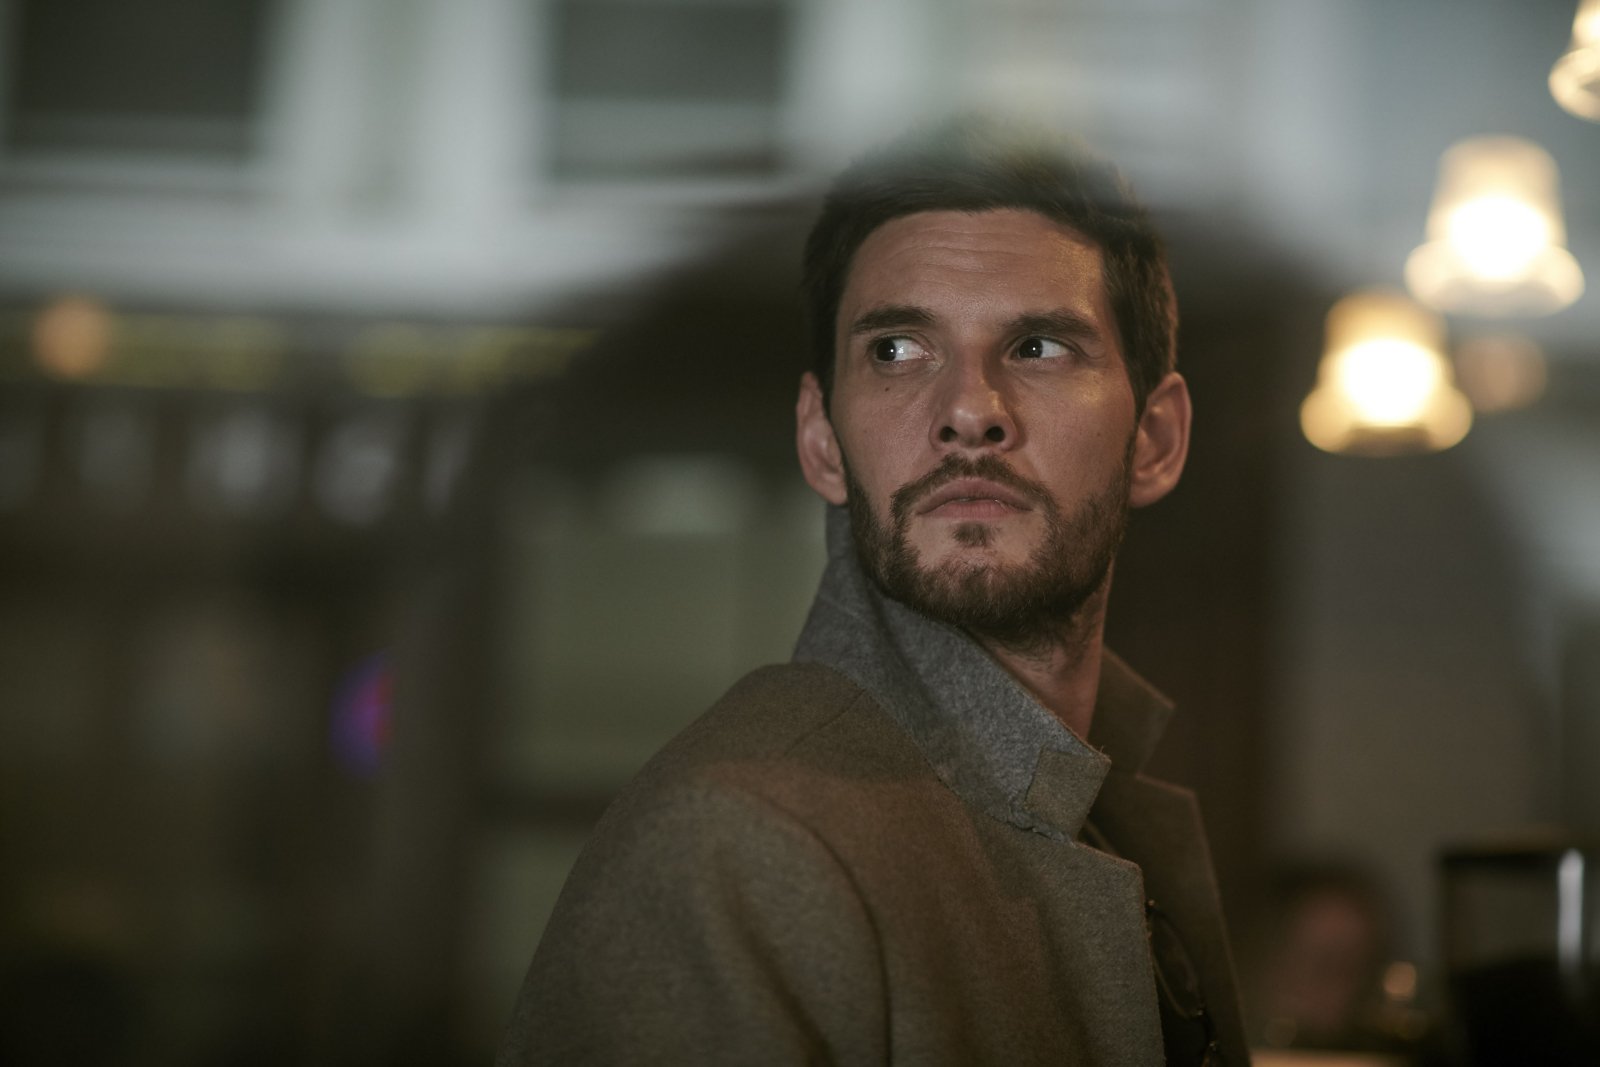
<point>980,540</point>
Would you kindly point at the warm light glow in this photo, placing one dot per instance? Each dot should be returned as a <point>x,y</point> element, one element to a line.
<point>1400,981</point>
<point>1388,382</point>
<point>1586,24</point>
<point>1500,372</point>
<point>1384,386</point>
<point>72,337</point>
<point>1575,78</point>
<point>1495,235</point>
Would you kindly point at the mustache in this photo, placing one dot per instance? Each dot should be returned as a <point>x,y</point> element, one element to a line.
<point>989,467</point>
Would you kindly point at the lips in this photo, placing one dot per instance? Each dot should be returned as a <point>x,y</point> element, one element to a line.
<point>976,495</point>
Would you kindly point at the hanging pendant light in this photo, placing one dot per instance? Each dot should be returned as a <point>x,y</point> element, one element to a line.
<point>1575,79</point>
<point>1500,372</point>
<point>1496,241</point>
<point>1384,386</point>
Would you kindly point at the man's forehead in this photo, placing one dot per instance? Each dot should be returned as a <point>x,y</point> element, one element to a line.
<point>957,248</point>
<point>995,218</point>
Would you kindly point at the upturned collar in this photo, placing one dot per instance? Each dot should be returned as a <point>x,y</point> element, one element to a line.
<point>986,738</point>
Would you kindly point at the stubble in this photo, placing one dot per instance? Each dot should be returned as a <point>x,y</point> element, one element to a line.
<point>1017,606</point>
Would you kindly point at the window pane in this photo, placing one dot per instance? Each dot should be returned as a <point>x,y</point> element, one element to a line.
<point>651,89</point>
<point>162,75</point>
<point>653,51</point>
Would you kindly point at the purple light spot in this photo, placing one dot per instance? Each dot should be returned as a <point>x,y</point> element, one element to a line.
<point>362,716</point>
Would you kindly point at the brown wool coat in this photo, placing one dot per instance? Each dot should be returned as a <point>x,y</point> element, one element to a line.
<point>832,867</point>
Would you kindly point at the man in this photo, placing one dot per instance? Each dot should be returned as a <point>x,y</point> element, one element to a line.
<point>926,840</point>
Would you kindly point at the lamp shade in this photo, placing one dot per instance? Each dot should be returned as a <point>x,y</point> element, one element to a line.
<point>1575,79</point>
<point>1496,240</point>
<point>1384,386</point>
<point>1500,372</point>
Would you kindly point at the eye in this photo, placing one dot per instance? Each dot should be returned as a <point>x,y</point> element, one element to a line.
<point>1042,348</point>
<point>896,350</point>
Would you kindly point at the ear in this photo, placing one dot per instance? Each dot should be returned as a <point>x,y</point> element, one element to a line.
<point>1162,441</point>
<point>814,439</point>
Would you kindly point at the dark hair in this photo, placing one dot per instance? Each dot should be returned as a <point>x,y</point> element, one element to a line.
<point>980,164</point>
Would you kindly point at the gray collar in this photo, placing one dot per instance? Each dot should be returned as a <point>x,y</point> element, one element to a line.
<point>985,737</point>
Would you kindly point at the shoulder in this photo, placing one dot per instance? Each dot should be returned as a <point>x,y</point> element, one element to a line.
<point>792,719</point>
<point>709,903</point>
<point>782,766</point>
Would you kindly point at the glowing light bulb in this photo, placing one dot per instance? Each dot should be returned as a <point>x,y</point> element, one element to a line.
<point>1389,382</point>
<point>1586,24</point>
<point>1575,78</point>
<point>1497,236</point>
<point>1384,386</point>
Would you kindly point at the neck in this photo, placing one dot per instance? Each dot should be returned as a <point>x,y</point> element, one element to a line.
<point>1060,669</point>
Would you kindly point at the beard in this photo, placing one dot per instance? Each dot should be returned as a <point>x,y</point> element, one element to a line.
<point>1013,605</point>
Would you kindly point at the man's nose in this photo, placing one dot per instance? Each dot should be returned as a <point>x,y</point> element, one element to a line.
<point>974,410</point>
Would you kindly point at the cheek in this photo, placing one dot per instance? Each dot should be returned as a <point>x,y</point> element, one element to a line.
<point>884,463</point>
<point>1099,417</point>
<point>887,415</point>
<point>1079,460</point>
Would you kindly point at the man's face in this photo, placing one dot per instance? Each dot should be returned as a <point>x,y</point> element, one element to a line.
<point>984,418</point>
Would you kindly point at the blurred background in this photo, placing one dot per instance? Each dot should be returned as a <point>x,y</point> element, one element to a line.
<point>395,449</point>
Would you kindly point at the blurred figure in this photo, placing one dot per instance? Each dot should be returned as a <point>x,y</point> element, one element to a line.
<point>1319,972</point>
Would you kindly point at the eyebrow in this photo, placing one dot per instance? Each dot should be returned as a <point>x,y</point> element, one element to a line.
<point>891,317</point>
<point>1060,321</point>
<point>904,316</point>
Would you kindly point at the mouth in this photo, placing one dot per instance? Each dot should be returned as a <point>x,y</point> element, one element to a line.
<point>973,498</point>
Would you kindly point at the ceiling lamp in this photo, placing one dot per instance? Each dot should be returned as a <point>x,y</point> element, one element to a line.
<point>1384,386</point>
<point>1496,242</point>
<point>1500,372</point>
<point>72,337</point>
<point>1575,79</point>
